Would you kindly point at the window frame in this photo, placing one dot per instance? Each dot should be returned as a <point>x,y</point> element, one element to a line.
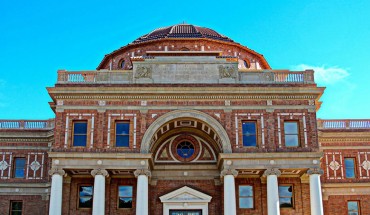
<point>120,64</point>
<point>358,207</point>
<point>291,134</point>
<point>132,197</point>
<point>246,197</point>
<point>354,167</point>
<point>73,132</point>
<point>15,167</point>
<point>255,132</point>
<point>292,197</point>
<point>11,206</point>
<point>78,198</point>
<point>115,133</point>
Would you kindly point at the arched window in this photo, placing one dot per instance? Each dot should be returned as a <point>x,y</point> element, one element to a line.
<point>122,64</point>
<point>184,49</point>
<point>246,63</point>
<point>185,149</point>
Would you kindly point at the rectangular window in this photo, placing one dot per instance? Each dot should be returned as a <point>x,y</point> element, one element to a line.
<point>286,196</point>
<point>291,134</point>
<point>245,196</point>
<point>353,208</point>
<point>86,196</point>
<point>79,133</point>
<point>19,167</point>
<point>122,134</point>
<point>249,130</point>
<point>124,196</point>
<point>16,207</point>
<point>349,164</point>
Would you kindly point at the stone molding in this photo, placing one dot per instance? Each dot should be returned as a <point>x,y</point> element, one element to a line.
<point>229,172</point>
<point>99,171</point>
<point>56,171</point>
<point>272,171</point>
<point>313,171</point>
<point>142,172</point>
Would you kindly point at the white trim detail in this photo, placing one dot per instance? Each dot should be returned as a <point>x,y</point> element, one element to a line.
<point>185,198</point>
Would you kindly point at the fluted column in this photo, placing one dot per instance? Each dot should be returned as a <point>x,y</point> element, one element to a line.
<point>142,200</point>
<point>229,191</point>
<point>315,191</point>
<point>273,205</point>
<point>55,206</point>
<point>99,191</point>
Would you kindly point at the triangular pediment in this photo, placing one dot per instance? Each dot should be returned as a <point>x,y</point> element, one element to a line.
<point>185,194</point>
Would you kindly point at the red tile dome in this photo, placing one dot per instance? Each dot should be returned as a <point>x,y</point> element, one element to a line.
<point>182,31</point>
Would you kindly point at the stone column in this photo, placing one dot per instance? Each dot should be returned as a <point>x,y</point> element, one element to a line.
<point>99,191</point>
<point>315,191</point>
<point>142,200</point>
<point>229,191</point>
<point>273,205</point>
<point>55,206</point>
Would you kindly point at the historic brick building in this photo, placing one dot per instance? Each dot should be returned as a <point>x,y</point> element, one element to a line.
<point>185,121</point>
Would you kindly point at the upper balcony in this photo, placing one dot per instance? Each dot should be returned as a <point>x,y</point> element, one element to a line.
<point>343,124</point>
<point>186,70</point>
<point>27,124</point>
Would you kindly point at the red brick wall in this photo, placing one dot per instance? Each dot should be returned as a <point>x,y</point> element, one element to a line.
<point>31,204</point>
<point>337,205</point>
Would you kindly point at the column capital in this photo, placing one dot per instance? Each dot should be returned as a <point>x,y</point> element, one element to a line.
<point>99,171</point>
<point>56,171</point>
<point>313,171</point>
<point>272,171</point>
<point>229,172</point>
<point>142,172</point>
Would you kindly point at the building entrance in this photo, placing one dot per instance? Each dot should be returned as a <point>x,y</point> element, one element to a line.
<point>185,212</point>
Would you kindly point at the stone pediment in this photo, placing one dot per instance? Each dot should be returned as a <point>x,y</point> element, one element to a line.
<point>185,194</point>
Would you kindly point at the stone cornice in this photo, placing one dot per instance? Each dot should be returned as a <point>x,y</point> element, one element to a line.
<point>108,155</point>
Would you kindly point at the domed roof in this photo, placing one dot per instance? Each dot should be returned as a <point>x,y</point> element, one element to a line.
<point>182,31</point>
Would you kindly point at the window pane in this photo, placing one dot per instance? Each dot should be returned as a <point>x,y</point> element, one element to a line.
<point>249,128</point>
<point>291,140</point>
<point>285,191</point>
<point>79,140</point>
<point>16,212</point>
<point>80,128</point>
<point>286,202</point>
<point>125,202</point>
<point>352,206</point>
<point>291,127</point>
<point>349,165</point>
<point>16,205</point>
<point>249,140</point>
<point>245,191</point>
<point>86,197</point>
<point>85,202</point>
<point>125,191</point>
<point>122,128</point>
<point>86,190</point>
<point>246,202</point>
<point>19,167</point>
<point>122,141</point>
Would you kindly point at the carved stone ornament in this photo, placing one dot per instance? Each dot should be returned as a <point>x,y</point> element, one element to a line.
<point>317,171</point>
<point>272,171</point>
<point>99,171</point>
<point>143,72</point>
<point>35,165</point>
<point>334,165</point>
<point>366,165</point>
<point>3,165</point>
<point>142,172</point>
<point>226,71</point>
<point>229,172</point>
<point>57,171</point>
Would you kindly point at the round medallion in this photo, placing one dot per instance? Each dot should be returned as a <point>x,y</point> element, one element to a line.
<point>366,165</point>
<point>334,165</point>
<point>3,165</point>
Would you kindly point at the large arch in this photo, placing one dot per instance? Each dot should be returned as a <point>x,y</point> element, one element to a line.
<point>214,124</point>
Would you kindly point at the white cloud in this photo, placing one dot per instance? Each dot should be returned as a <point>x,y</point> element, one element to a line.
<point>324,74</point>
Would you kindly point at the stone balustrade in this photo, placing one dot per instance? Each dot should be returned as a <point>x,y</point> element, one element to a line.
<point>344,124</point>
<point>27,124</point>
<point>243,77</point>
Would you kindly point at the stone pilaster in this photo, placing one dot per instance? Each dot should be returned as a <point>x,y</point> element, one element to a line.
<point>273,206</point>
<point>55,206</point>
<point>315,191</point>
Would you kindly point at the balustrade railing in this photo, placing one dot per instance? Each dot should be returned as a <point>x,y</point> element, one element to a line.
<point>27,124</point>
<point>344,124</point>
<point>245,77</point>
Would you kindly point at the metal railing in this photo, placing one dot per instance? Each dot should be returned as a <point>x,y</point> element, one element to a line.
<point>27,124</point>
<point>344,124</point>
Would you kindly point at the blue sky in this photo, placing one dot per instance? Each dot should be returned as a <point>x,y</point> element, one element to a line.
<point>39,37</point>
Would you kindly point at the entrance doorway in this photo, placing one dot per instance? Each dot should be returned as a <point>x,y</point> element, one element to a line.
<point>185,212</point>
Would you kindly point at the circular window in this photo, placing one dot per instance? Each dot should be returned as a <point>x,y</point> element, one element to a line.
<point>185,149</point>
<point>122,64</point>
<point>246,64</point>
